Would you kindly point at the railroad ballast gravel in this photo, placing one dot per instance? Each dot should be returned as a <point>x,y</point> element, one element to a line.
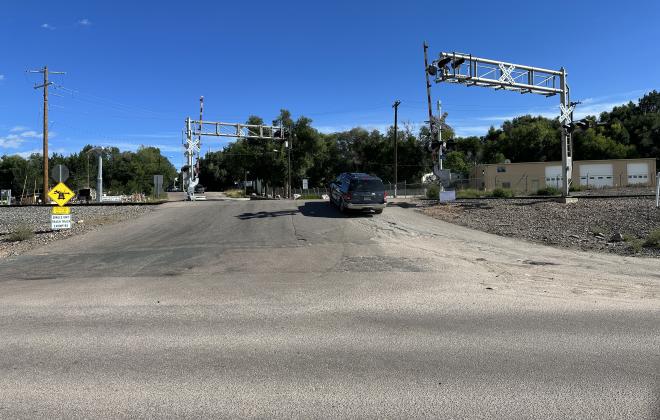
<point>617,225</point>
<point>37,219</point>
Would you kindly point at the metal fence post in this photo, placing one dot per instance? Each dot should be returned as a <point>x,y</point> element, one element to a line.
<point>657,190</point>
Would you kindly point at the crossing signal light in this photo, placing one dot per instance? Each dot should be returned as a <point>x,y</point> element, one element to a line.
<point>444,61</point>
<point>457,62</point>
<point>432,70</point>
<point>582,124</point>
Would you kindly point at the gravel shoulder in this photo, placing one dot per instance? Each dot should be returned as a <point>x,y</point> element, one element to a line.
<point>37,219</point>
<point>612,225</point>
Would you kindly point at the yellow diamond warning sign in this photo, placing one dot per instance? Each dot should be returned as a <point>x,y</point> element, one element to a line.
<point>61,194</point>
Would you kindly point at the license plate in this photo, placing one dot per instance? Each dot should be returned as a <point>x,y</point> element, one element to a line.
<point>367,198</point>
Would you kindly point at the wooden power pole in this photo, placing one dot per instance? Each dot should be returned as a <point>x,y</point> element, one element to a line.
<point>45,71</point>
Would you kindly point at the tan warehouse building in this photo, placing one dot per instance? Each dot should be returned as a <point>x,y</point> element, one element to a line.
<point>528,177</point>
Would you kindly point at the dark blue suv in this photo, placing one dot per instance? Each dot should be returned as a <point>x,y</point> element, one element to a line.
<point>358,191</point>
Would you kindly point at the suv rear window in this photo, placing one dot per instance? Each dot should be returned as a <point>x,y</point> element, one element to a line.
<point>367,185</point>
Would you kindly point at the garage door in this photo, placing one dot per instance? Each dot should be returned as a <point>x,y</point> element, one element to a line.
<point>638,173</point>
<point>553,176</point>
<point>596,175</point>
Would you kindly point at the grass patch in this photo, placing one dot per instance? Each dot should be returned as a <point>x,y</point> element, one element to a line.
<point>22,233</point>
<point>235,193</point>
<point>653,240</point>
<point>470,193</point>
<point>502,193</point>
<point>575,188</point>
<point>599,230</point>
<point>548,191</point>
<point>474,193</point>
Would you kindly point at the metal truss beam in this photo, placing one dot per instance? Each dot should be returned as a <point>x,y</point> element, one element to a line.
<point>465,69</point>
<point>237,130</point>
<point>475,71</point>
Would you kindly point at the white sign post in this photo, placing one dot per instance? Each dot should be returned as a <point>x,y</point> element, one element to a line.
<point>60,221</point>
<point>305,184</point>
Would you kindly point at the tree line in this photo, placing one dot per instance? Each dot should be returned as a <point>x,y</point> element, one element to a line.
<point>124,172</point>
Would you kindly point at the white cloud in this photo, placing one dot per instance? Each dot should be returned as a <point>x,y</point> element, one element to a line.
<point>164,148</point>
<point>327,129</point>
<point>153,135</point>
<point>32,134</point>
<point>17,136</point>
<point>589,106</point>
<point>84,22</point>
<point>582,111</point>
<point>548,113</point>
<point>48,26</point>
<point>27,153</point>
<point>2,77</point>
<point>471,130</point>
<point>11,141</point>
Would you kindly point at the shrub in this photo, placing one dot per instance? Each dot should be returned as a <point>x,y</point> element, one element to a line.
<point>22,233</point>
<point>502,193</point>
<point>636,245</point>
<point>235,193</point>
<point>548,191</point>
<point>653,240</point>
<point>433,191</point>
<point>633,242</point>
<point>575,187</point>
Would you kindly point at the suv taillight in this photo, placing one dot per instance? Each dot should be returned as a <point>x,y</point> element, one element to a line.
<point>385,196</point>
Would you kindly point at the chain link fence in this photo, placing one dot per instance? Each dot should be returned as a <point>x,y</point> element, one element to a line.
<point>520,185</point>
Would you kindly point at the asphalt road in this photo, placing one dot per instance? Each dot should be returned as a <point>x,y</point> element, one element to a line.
<point>291,310</point>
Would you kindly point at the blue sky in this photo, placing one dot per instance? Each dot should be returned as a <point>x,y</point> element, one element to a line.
<point>136,69</point>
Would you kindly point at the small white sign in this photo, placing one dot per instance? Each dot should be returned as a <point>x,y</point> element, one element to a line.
<point>111,199</point>
<point>447,196</point>
<point>305,184</point>
<point>60,221</point>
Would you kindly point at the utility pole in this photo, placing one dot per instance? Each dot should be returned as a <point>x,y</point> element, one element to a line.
<point>288,148</point>
<point>396,145</point>
<point>428,86</point>
<point>439,104</point>
<point>45,85</point>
